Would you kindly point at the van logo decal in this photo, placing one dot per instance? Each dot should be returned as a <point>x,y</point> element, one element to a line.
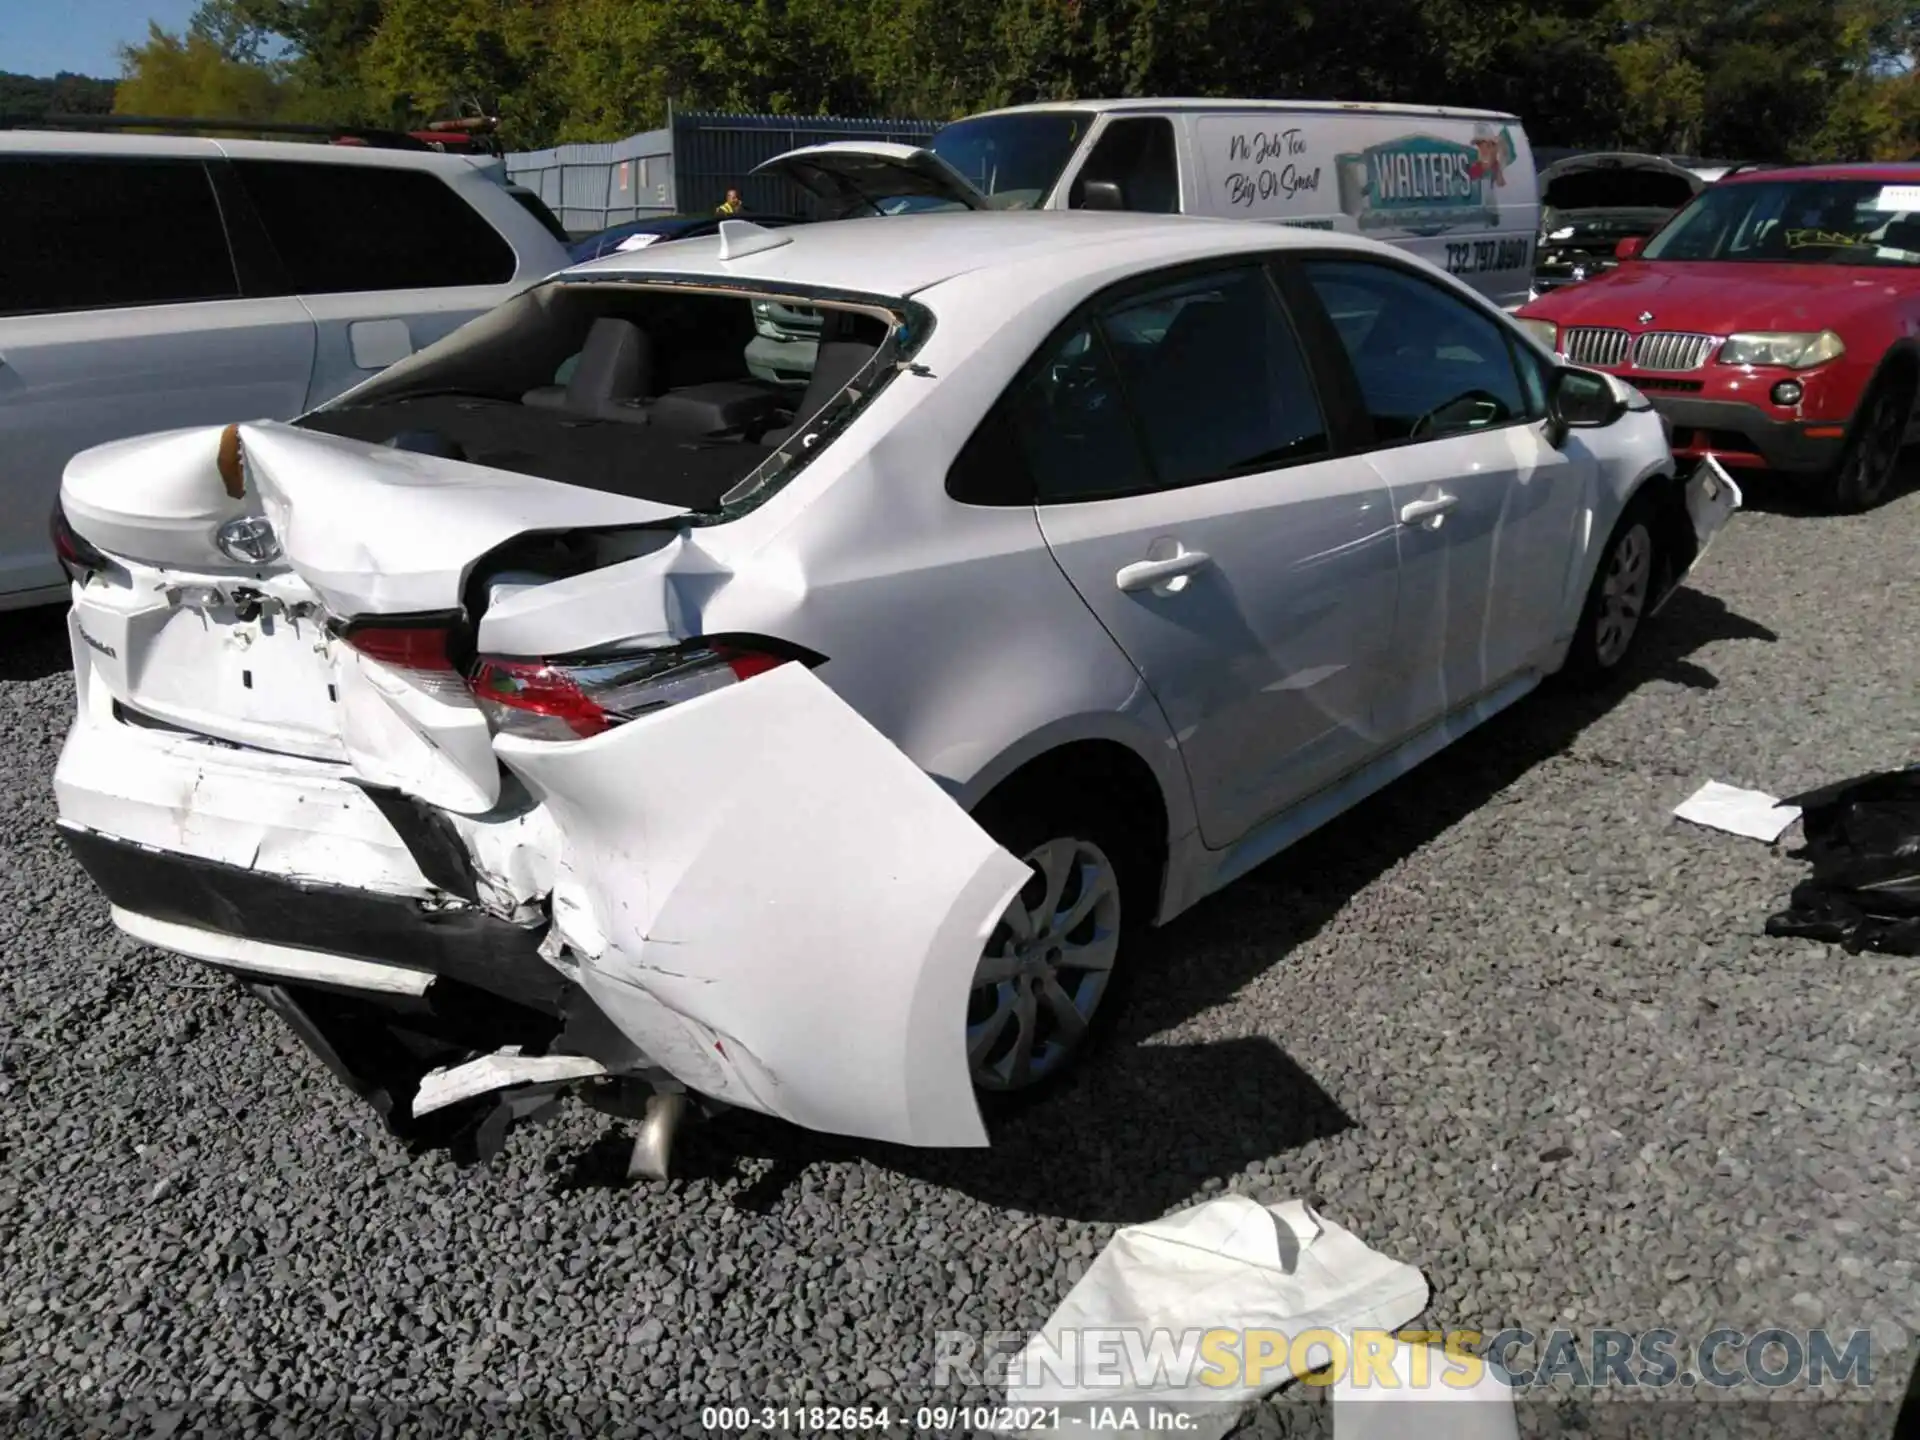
<point>1425,185</point>
<point>106,650</point>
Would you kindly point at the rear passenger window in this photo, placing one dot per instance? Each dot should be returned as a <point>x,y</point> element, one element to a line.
<point>78,233</point>
<point>1216,377</point>
<point>1196,381</point>
<point>1138,156</point>
<point>1070,423</point>
<point>1429,363</point>
<point>341,228</point>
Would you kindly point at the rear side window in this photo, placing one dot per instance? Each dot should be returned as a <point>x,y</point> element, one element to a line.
<point>342,228</point>
<point>78,233</point>
<point>1429,363</point>
<point>1198,380</point>
<point>1070,423</point>
<point>1216,379</point>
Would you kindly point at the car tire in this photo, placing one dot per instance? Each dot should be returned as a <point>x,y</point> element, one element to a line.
<point>1629,580</point>
<point>1864,477</point>
<point>1034,1014</point>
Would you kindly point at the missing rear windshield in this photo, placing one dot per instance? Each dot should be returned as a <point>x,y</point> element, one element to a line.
<point>679,393</point>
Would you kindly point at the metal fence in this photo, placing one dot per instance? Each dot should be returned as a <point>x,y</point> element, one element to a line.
<point>688,167</point>
<point>593,186</point>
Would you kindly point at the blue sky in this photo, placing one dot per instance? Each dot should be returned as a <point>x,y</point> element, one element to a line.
<point>44,37</point>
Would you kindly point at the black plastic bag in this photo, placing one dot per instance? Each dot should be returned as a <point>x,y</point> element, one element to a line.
<point>1863,837</point>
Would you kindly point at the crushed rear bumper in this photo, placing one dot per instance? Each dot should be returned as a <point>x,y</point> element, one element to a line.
<point>688,900</point>
<point>453,942</point>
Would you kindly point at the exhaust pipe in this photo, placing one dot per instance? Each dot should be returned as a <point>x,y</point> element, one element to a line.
<point>652,1157</point>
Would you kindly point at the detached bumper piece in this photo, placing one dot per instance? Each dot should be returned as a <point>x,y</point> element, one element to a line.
<point>487,990</point>
<point>1863,837</point>
<point>1743,435</point>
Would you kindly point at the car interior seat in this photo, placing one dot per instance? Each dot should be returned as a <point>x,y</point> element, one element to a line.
<point>1210,362</point>
<point>611,379</point>
<point>847,342</point>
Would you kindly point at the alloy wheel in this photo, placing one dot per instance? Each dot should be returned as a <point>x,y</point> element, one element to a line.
<point>1045,967</point>
<point>1623,594</point>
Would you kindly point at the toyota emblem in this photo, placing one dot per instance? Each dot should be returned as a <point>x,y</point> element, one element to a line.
<point>248,539</point>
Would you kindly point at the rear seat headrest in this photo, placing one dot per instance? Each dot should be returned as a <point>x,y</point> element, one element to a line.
<point>616,363</point>
<point>612,373</point>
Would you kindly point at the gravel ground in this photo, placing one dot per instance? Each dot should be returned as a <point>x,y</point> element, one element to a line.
<point>1509,1023</point>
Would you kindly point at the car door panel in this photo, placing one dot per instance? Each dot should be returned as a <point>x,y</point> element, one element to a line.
<point>1486,506</point>
<point>1480,583</point>
<point>1189,493</point>
<point>1268,659</point>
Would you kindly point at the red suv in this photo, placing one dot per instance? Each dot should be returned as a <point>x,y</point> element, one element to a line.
<point>1775,322</point>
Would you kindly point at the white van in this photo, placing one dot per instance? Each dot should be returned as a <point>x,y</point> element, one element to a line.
<point>1456,187</point>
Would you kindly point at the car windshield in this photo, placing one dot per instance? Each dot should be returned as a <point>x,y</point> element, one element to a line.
<point>1013,160</point>
<point>1798,222</point>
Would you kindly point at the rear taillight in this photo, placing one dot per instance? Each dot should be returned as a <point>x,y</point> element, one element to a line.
<point>76,554</point>
<point>574,698</point>
<point>422,651</point>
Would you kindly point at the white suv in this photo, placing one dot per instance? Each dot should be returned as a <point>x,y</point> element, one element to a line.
<point>153,282</point>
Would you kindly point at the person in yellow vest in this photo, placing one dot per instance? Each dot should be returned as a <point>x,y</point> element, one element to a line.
<point>732,205</point>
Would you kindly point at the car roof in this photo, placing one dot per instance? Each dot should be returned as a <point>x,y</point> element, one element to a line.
<point>77,143</point>
<point>1887,172</point>
<point>1320,107</point>
<point>898,255</point>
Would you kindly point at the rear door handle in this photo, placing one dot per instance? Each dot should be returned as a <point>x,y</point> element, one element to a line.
<point>1416,511</point>
<point>1158,575</point>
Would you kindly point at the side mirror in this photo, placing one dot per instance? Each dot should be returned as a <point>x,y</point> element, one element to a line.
<point>1630,248</point>
<point>1101,195</point>
<point>1581,400</point>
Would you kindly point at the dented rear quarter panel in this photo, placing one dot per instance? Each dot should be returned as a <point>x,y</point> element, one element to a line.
<point>774,903</point>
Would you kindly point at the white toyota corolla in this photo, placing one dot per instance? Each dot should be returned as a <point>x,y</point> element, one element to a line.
<point>567,710</point>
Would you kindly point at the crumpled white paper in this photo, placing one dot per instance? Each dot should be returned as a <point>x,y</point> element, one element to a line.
<point>1228,1264</point>
<point>1752,813</point>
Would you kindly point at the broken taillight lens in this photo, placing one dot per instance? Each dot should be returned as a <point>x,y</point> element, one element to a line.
<point>421,651</point>
<point>76,553</point>
<point>572,699</point>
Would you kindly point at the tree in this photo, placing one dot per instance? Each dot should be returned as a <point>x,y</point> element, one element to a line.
<point>428,57</point>
<point>191,75</point>
<point>30,97</point>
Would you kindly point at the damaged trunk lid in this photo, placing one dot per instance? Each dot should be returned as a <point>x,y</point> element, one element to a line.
<point>302,593</point>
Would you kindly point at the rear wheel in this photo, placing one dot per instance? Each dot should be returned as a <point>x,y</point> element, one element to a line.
<point>1867,465</point>
<point>1048,982</point>
<point>1624,588</point>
